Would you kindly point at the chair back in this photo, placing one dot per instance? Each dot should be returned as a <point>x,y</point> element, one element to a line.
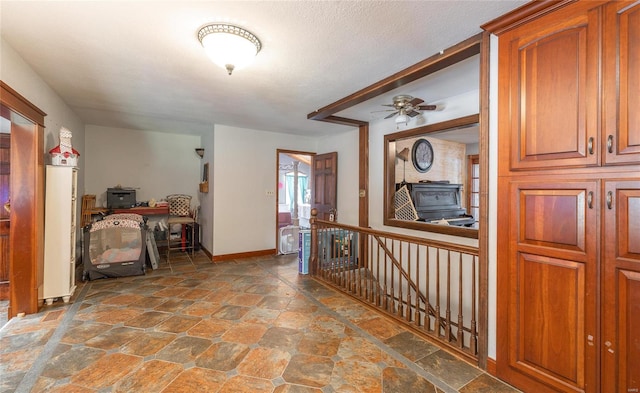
<point>88,204</point>
<point>88,201</point>
<point>179,204</point>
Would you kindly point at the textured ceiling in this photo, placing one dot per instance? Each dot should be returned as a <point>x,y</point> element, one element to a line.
<point>139,65</point>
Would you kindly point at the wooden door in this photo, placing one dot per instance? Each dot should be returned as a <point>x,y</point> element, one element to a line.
<point>547,259</point>
<point>5,170</point>
<point>324,184</point>
<point>551,68</point>
<point>620,342</point>
<point>621,64</point>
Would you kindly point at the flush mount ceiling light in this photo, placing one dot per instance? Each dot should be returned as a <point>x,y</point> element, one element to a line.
<point>230,47</point>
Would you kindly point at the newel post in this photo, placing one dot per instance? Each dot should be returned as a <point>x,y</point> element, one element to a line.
<point>313,258</point>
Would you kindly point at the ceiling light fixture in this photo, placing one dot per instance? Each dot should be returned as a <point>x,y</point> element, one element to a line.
<point>402,117</point>
<point>230,47</point>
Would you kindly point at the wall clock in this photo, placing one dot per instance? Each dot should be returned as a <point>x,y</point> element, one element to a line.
<point>422,155</point>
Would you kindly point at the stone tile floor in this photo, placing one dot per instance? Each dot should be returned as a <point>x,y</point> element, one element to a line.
<point>250,325</point>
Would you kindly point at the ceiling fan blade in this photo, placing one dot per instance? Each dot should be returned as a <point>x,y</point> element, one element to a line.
<point>416,101</point>
<point>391,105</point>
<point>383,110</point>
<point>413,113</point>
<point>427,107</point>
<point>391,115</point>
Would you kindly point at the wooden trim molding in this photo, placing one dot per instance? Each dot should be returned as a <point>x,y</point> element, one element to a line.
<point>523,14</point>
<point>300,156</point>
<point>390,180</point>
<point>491,366</point>
<point>18,103</point>
<point>206,252</point>
<point>483,227</point>
<point>241,255</point>
<point>363,178</point>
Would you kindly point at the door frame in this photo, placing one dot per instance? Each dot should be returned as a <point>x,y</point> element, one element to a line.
<point>27,223</point>
<point>277,180</point>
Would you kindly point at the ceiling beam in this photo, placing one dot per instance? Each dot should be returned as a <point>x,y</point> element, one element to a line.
<point>344,121</point>
<point>464,50</point>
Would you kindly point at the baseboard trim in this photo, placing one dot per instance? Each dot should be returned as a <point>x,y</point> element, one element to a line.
<point>491,366</point>
<point>240,255</point>
<point>207,252</point>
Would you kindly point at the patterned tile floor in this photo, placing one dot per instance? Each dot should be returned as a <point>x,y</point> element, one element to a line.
<point>251,325</point>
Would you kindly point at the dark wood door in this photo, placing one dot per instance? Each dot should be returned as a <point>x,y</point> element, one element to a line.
<point>324,186</point>
<point>5,170</point>
<point>548,286</point>
<point>552,67</point>
<point>621,65</point>
<point>621,288</point>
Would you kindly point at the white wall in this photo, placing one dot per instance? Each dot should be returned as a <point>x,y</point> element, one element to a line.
<point>492,197</point>
<point>19,75</point>
<point>23,79</point>
<point>156,164</point>
<point>243,170</point>
<point>346,145</point>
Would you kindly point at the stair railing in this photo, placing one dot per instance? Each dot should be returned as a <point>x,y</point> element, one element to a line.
<point>429,286</point>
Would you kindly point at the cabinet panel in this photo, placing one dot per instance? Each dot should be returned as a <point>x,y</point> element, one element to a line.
<point>553,71</point>
<point>621,287</point>
<point>549,326</point>
<point>629,324</point>
<point>552,281</point>
<point>621,137</point>
<point>554,218</point>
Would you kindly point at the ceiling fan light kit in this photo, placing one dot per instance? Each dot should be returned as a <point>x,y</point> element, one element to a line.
<point>402,118</point>
<point>231,47</point>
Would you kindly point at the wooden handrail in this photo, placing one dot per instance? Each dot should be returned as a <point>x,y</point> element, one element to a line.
<point>406,238</point>
<point>393,273</point>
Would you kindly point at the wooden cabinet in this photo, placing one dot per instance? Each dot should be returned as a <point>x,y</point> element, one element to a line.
<point>621,77</point>
<point>569,196</point>
<point>552,68</point>
<point>549,269</point>
<point>621,287</point>
<point>60,233</point>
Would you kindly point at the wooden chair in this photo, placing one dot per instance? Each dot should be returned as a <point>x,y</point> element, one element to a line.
<point>88,205</point>
<point>180,213</point>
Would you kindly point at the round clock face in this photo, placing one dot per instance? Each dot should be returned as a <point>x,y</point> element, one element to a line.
<point>422,155</point>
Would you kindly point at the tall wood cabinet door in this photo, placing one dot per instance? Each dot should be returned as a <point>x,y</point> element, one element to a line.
<point>621,65</point>
<point>549,77</point>
<point>621,288</point>
<point>550,294</point>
